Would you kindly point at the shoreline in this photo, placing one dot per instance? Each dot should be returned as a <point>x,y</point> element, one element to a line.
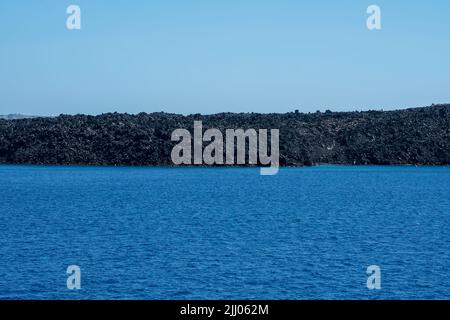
<point>417,136</point>
<point>321,165</point>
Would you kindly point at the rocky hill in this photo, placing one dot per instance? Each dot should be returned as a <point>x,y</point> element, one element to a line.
<point>419,136</point>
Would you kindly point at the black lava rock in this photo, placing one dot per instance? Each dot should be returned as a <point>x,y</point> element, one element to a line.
<point>419,136</point>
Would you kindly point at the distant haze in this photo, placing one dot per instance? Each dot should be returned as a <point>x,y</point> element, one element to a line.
<point>15,116</point>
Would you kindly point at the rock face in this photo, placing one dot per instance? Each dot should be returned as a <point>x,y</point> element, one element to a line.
<point>418,136</point>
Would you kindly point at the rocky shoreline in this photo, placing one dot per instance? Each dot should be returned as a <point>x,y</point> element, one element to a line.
<point>418,136</point>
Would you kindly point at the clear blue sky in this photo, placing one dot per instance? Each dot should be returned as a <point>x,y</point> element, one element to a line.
<point>207,56</point>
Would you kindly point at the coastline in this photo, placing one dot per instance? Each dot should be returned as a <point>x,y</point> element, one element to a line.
<point>410,137</point>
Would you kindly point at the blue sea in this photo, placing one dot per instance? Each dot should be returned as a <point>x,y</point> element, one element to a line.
<point>224,233</point>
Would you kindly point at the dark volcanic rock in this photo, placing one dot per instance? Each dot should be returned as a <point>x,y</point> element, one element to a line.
<point>414,136</point>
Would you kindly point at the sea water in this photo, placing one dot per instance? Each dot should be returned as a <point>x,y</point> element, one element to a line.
<point>224,233</point>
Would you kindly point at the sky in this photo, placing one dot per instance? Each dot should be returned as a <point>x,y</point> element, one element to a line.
<point>205,56</point>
